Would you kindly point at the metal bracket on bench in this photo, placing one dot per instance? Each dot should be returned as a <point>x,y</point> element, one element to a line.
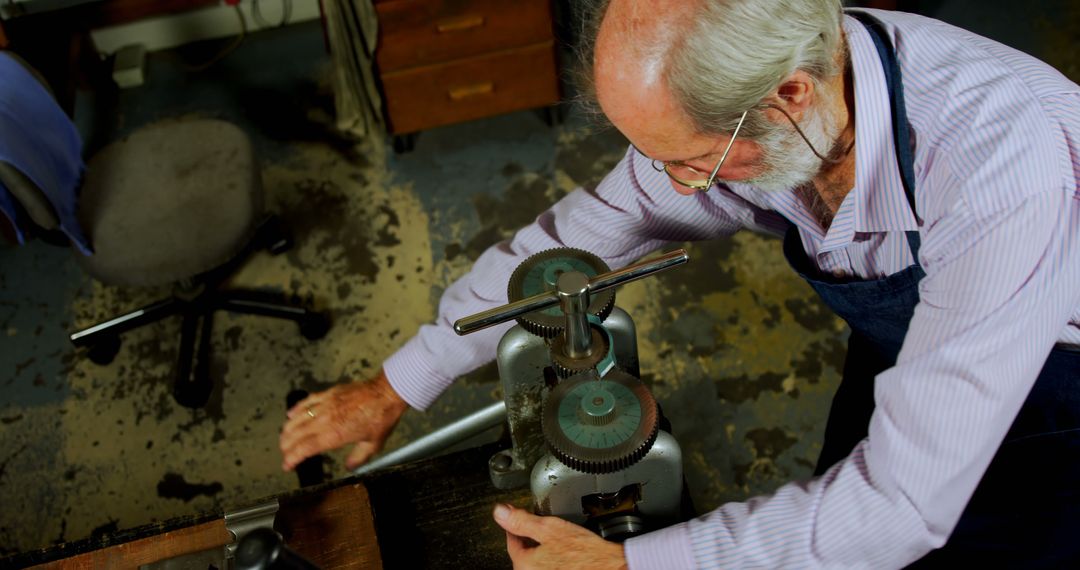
<point>243,521</point>
<point>239,523</point>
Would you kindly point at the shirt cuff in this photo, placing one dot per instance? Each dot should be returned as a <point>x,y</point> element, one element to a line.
<point>412,377</point>
<point>665,549</point>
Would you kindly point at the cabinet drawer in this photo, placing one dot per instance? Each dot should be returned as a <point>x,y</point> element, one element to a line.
<point>481,86</point>
<point>419,32</point>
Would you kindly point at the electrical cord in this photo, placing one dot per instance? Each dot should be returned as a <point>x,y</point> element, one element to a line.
<point>286,13</point>
<point>227,49</point>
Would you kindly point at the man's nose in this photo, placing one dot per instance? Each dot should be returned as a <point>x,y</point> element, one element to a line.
<point>682,189</point>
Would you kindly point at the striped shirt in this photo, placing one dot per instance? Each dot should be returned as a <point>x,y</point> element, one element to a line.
<point>997,165</point>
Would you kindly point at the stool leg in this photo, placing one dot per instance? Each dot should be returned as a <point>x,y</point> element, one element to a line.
<point>137,318</point>
<point>271,236</point>
<point>313,325</point>
<point>252,303</point>
<point>193,390</point>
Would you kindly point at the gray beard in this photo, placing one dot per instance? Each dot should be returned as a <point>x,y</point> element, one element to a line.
<point>788,163</point>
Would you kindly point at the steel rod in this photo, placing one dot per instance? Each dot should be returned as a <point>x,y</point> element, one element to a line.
<point>541,301</point>
<point>637,271</point>
<point>440,439</point>
<point>492,317</point>
<point>573,291</point>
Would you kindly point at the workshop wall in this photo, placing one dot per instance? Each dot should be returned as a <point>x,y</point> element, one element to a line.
<point>220,21</point>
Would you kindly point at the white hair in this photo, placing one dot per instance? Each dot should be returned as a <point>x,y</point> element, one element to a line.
<point>734,53</point>
<point>737,52</point>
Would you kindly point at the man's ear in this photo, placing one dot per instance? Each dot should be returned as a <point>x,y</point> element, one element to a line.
<point>795,95</point>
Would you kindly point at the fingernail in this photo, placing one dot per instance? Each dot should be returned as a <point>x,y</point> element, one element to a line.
<point>502,512</point>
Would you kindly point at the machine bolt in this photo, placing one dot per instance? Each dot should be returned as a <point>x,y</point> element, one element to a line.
<point>501,462</point>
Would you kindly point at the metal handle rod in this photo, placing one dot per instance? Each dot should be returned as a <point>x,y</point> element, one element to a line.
<point>637,271</point>
<point>440,439</point>
<point>541,301</point>
<point>492,317</point>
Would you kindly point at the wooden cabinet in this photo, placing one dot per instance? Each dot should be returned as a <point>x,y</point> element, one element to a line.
<point>448,61</point>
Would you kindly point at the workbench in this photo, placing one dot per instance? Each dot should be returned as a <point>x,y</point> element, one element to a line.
<point>434,513</point>
<point>437,513</point>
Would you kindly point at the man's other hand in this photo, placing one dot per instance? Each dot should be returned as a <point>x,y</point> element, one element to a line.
<point>550,542</point>
<point>360,412</point>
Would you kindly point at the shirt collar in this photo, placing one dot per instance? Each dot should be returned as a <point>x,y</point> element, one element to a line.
<point>879,201</point>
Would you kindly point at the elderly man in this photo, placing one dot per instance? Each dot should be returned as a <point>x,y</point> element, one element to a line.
<point>925,182</point>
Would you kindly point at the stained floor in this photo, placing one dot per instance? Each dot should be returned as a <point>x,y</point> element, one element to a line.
<point>736,348</point>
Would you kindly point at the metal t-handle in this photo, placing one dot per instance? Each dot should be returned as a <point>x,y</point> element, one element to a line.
<point>541,301</point>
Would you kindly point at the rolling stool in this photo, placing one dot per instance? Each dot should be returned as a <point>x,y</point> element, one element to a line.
<point>180,202</point>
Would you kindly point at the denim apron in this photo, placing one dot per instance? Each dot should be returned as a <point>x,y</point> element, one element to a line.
<point>1026,510</point>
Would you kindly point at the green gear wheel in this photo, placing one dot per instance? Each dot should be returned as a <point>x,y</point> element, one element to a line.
<point>539,273</point>
<point>598,425</point>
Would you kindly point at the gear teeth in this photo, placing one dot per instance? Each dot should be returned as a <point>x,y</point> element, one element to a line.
<point>547,326</point>
<point>597,461</point>
<point>566,372</point>
<point>598,467</point>
<point>566,367</point>
<point>538,329</point>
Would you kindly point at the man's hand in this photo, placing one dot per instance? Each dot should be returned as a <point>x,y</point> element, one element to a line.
<point>361,412</point>
<point>561,545</point>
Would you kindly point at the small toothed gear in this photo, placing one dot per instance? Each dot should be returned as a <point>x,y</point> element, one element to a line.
<point>539,273</point>
<point>598,425</point>
<point>566,366</point>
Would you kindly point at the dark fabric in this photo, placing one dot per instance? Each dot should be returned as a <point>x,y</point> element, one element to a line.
<point>1026,510</point>
<point>39,142</point>
<point>29,196</point>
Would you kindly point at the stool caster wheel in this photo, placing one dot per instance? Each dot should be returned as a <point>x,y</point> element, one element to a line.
<point>104,350</point>
<point>280,246</point>
<point>274,238</point>
<point>552,115</point>
<point>194,394</point>
<point>315,326</point>
<point>404,143</point>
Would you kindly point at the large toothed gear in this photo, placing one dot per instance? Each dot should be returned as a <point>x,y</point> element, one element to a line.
<point>540,272</point>
<point>598,425</point>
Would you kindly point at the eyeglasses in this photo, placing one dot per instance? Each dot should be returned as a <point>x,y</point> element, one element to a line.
<point>675,169</point>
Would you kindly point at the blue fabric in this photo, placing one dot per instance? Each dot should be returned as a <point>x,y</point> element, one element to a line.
<point>1026,510</point>
<point>39,139</point>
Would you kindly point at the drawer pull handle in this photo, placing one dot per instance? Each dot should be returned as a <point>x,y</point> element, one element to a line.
<point>459,24</point>
<point>474,90</point>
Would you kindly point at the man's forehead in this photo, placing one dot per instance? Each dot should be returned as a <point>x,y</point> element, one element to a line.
<point>649,14</point>
<point>643,31</point>
<point>629,83</point>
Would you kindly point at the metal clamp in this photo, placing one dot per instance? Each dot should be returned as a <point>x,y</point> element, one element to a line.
<point>245,520</point>
<point>239,523</point>
<point>542,301</point>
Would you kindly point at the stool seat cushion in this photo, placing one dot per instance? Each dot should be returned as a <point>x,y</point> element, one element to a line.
<point>170,201</point>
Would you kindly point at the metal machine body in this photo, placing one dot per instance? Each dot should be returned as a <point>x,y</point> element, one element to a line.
<point>584,429</point>
<point>655,484</point>
<point>526,372</point>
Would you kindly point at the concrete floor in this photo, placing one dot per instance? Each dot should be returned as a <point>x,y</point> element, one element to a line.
<point>739,352</point>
